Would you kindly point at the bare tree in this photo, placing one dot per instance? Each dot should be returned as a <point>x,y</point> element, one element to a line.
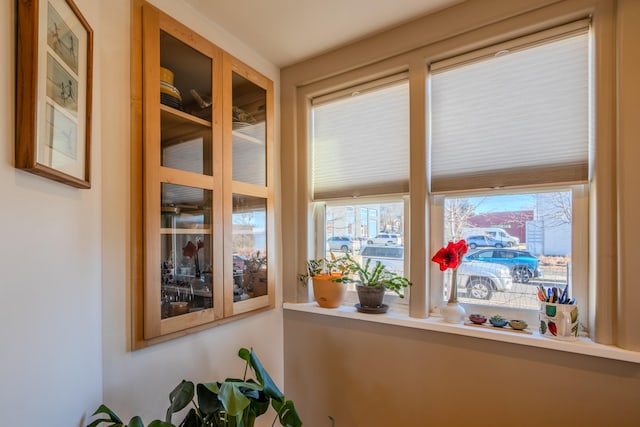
<point>456,214</point>
<point>556,208</point>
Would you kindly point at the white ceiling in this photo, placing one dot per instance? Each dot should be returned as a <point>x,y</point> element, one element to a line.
<point>287,31</point>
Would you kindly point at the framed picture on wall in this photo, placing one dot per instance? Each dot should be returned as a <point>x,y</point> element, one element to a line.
<point>54,82</point>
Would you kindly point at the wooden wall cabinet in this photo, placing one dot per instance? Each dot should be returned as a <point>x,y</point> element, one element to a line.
<point>205,183</point>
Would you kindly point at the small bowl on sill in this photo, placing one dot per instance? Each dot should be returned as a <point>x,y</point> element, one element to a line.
<point>518,324</point>
<point>498,321</point>
<point>478,319</point>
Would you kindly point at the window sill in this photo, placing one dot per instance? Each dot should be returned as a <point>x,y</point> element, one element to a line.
<point>581,346</point>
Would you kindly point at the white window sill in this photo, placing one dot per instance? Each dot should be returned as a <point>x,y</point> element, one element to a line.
<point>581,346</point>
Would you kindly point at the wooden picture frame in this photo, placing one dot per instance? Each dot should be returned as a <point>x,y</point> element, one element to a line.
<point>54,88</point>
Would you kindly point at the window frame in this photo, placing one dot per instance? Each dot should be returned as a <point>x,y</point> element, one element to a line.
<point>357,63</point>
<point>319,238</point>
<point>579,251</point>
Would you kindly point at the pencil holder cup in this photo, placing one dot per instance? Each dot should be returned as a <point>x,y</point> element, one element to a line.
<point>559,321</point>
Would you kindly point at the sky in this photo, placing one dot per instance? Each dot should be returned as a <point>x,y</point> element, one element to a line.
<point>511,202</point>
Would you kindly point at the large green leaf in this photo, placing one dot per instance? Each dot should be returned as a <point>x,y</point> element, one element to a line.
<point>179,398</point>
<point>103,409</point>
<point>233,398</point>
<point>208,398</point>
<point>158,423</point>
<point>104,420</point>
<point>191,419</point>
<point>287,413</point>
<point>262,375</point>
<point>135,422</point>
<point>112,421</point>
<point>259,405</point>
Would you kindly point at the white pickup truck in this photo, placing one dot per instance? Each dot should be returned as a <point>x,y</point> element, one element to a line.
<point>477,278</point>
<point>481,279</point>
<point>496,233</point>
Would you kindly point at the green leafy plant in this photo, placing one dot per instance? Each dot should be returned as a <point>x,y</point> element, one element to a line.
<point>231,403</point>
<point>325,267</point>
<point>374,274</point>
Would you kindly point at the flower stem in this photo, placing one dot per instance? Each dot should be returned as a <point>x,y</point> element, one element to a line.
<point>453,295</point>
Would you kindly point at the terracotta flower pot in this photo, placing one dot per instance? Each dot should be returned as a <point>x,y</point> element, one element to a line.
<point>327,293</point>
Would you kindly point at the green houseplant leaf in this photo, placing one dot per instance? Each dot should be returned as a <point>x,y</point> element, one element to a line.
<point>208,398</point>
<point>287,413</point>
<point>231,403</point>
<point>114,421</point>
<point>156,423</point>
<point>180,397</point>
<point>269,386</point>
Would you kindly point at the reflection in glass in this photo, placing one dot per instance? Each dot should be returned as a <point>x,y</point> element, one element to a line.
<point>249,131</point>
<point>249,227</point>
<point>185,250</point>
<point>188,152</point>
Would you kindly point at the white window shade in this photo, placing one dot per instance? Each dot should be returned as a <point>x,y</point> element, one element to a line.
<point>519,117</point>
<point>361,144</point>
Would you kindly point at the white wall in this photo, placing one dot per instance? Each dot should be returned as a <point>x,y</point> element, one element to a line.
<point>65,283</point>
<point>139,382</point>
<point>50,259</point>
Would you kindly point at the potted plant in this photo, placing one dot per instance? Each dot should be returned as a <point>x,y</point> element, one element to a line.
<point>325,275</point>
<point>372,280</point>
<point>231,403</point>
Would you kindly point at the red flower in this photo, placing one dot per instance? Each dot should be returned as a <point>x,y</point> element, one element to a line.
<point>190,249</point>
<point>451,256</point>
<point>200,244</point>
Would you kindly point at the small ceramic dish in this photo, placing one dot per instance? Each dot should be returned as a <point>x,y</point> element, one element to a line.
<point>518,324</point>
<point>498,322</point>
<point>478,319</point>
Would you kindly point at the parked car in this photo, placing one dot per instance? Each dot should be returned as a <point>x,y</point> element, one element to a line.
<point>340,243</point>
<point>385,239</point>
<point>483,241</point>
<point>497,233</point>
<point>391,256</point>
<point>522,264</point>
<point>481,279</point>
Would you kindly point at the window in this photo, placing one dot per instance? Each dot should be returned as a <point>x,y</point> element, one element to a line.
<point>361,151</point>
<point>508,147</point>
<point>360,236</point>
<point>512,116</point>
<point>517,242</point>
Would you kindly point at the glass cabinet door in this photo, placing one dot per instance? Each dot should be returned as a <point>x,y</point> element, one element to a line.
<point>186,250</point>
<point>249,230</point>
<point>182,177</point>
<point>205,241</point>
<point>248,155</point>
<point>249,131</point>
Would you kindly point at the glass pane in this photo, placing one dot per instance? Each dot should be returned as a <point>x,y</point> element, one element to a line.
<point>186,250</point>
<point>189,151</point>
<point>185,85</point>
<point>249,227</point>
<point>249,132</point>
<point>517,242</point>
<point>367,231</point>
<point>185,77</point>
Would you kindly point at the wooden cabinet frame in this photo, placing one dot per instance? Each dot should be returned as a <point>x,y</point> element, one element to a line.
<point>147,174</point>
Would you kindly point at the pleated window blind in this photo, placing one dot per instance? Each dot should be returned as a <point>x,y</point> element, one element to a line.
<point>361,141</point>
<point>515,114</point>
